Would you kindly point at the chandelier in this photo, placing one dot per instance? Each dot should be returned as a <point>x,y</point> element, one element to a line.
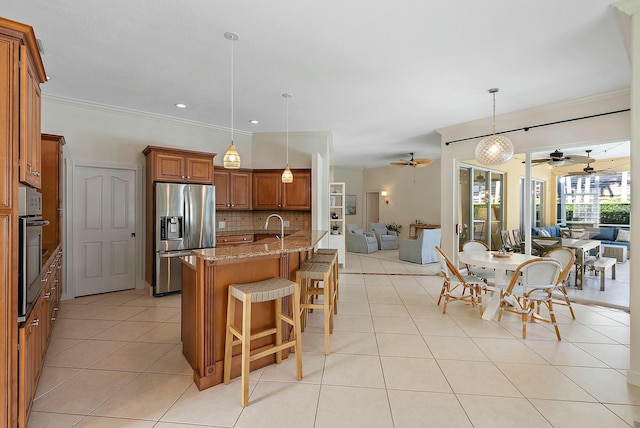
<point>494,149</point>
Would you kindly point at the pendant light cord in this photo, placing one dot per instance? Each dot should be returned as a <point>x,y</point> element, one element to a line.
<point>494,112</point>
<point>288,131</point>
<point>232,43</point>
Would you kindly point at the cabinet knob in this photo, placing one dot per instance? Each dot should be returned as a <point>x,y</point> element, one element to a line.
<point>183,177</point>
<point>188,177</point>
<point>55,309</point>
<point>36,321</point>
<point>232,205</point>
<point>47,295</point>
<point>53,318</point>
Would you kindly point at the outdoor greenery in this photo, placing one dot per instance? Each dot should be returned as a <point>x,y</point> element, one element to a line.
<point>610,213</point>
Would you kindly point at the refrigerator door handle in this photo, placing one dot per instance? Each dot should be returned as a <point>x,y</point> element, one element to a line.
<point>187,215</point>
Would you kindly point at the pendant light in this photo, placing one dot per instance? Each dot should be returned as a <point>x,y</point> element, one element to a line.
<point>231,159</point>
<point>494,149</point>
<point>287,175</point>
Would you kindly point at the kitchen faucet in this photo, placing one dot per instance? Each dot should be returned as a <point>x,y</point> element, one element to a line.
<point>266,225</point>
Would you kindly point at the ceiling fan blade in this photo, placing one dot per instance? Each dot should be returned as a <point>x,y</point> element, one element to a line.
<point>579,159</point>
<point>399,163</point>
<point>537,161</point>
<point>576,173</point>
<point>423,162</point>
<point>604,172</point>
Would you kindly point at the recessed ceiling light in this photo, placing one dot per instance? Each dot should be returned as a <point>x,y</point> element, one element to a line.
<point>180,105</point>
<point>255,122</point>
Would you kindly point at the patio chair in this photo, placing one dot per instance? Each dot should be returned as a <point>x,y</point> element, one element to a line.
<point>487,275</point>
<point>507,243</point>
<point>517,240</point>
<point>453,279</point>
<point>566,258</point>
<point>387,239</point>
<point>422,249</point>
<point>531,285</point>
<point>359,241</point>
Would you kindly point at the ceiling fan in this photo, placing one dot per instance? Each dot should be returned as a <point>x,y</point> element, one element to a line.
<point>557,158</point>
<point>415,163</point>
<point>589,170</point>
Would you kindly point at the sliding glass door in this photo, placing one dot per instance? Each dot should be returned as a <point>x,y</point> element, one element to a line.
<point>481,205</point>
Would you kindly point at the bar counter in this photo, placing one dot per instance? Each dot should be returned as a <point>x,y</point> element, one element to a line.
<point>204,297</point>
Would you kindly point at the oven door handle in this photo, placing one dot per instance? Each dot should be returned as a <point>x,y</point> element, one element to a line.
<point>31,223</point>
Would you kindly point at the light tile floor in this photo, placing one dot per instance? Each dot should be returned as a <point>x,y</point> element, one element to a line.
<point>115,361</point>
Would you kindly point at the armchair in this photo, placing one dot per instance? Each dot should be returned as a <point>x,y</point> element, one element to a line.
<point>387,239</point>
<point>423,249</point>
<point>359,241</point>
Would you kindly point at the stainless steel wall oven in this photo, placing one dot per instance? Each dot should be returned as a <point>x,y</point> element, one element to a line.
<point>30,224</point>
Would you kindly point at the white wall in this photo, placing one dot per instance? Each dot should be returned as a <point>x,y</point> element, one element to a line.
<point>102,134</point>
<point>413,193</point>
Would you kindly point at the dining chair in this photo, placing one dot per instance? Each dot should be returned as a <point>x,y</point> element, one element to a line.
<point>454,279</point>
<point>485,274</point>
<point>566,258</point>
<point>532,284</point>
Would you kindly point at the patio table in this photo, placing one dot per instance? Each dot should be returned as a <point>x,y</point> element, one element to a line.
<point>501,265</point>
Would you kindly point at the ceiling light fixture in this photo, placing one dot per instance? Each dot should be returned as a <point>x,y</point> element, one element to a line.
<point>180,105</point>
<point>231,158</point>
<point>494,149</point>
<point>254,122</point>
<point>287,175</point>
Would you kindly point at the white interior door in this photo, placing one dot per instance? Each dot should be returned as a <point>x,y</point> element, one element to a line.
<point>103,229</point>
<point>373,209</point>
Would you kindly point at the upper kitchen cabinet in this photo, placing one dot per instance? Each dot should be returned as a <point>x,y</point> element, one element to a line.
<point>270,193</point>
<point>180,166</point>
<point>21,75</point>
<point>52,162</point>
<point>233,189</point>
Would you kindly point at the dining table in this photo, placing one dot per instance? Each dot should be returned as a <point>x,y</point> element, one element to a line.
<point>501,263</point>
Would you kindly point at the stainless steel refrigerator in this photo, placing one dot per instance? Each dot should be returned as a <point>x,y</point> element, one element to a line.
<point>185,218</point>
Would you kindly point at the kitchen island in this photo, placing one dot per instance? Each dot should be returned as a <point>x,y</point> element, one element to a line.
<point>206,276</point>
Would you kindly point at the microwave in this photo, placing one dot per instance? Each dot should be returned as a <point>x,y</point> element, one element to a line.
<point>30,224</point>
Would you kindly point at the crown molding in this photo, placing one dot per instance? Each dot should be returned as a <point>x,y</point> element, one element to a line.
<point>89,105</point>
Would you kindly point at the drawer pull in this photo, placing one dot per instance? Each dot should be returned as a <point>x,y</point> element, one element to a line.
<point>35,321</point>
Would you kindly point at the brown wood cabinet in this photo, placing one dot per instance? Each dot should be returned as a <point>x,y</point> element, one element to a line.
<point>30,160</point>
<point>180,166</point>
<point>270,193</point>
<point>234,239</point>
<point>35,332</point>
<point>52,163</point>
<point>233,189</point>
<point>21,74</point>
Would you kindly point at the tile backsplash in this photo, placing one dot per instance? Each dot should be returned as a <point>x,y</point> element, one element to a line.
<point>241,221</point>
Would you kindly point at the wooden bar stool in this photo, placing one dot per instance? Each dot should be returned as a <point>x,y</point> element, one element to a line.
<point>308,277</point>
<point>255,292</point>
<point>333,261</point>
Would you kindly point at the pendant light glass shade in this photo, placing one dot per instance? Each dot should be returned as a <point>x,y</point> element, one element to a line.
<point>231,159</point>
<point>494,149</point>
<point>287,175</point>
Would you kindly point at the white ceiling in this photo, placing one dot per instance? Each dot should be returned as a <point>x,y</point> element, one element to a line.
<point>380,75</point>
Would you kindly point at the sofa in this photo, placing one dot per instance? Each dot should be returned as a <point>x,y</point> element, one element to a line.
<point>387,239</point>
<point>359,241</point>
<point>610,235</point>
<point>422,249</point>
<point>553,231</point>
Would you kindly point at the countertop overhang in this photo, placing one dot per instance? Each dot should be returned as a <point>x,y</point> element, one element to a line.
<point>303,240</point>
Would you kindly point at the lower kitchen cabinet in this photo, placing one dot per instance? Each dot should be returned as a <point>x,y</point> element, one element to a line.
<point>35,332</point>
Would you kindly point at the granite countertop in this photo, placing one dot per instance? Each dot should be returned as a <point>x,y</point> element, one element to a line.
<point>300,241</point>
<point>189,261</point>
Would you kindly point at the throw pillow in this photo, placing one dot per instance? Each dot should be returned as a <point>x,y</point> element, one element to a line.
<point>544,233</point>
<point>623,235</point>
<point>358,231</point>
